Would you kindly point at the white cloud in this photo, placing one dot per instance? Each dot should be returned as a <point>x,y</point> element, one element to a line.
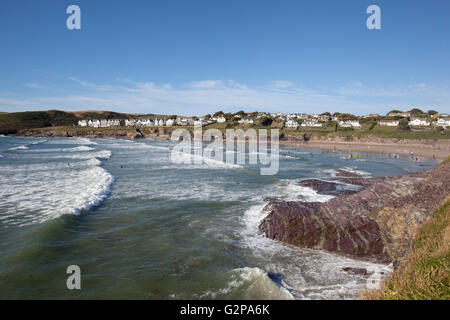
<point>201,97</point>
<point>33,85</point>
<point>282,84</point>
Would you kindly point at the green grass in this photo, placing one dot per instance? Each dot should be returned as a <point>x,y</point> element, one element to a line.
<point>445,161</point>
<point>12,122</point>
<point>426,273</point>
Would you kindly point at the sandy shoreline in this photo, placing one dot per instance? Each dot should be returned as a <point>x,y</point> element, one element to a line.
<point>439,150</point>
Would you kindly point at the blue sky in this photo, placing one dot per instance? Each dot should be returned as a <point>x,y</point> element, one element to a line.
<point>198,56</point>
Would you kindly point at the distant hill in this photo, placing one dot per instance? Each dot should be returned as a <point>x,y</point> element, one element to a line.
<point>14,121</point>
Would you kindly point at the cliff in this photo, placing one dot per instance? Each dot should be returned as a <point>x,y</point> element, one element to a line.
<point>425,275</point>
<point>376,219</point>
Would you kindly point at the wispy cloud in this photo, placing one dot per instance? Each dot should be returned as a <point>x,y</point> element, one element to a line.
<point>282,84</point>
<point>33,85</point>
<point>206,96</point>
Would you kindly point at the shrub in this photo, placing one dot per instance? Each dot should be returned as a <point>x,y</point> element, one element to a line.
<point>403,125</point>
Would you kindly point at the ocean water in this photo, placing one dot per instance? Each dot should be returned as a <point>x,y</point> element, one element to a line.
<point>141,227</point>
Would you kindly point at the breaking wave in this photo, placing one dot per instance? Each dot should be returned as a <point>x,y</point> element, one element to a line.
<point>38,192</point>
<point>250,284</point>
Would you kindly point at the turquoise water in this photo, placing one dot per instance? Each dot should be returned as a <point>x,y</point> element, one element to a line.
<point>141,227</point>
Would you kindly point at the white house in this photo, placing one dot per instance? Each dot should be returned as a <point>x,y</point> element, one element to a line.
<point>146,123</point>
<point>399,114</point>
<point>348,124</point>
<point>160,122</point>
<point>246,121</point>
<point>221,119</point>
<point>200,121</point>
<point>311,123</point>
<point>291,124</point>
<point>170,122</point>
<point>388,123</point>
<point>443,122</point>
<point>419,122</point>
<point>182,121</point>
<point>302,116</point>
<point>83,123</point>
<point>371,115</point>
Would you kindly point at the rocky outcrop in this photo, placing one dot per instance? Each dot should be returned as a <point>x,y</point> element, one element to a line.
<point>357,271</point>
<point>378,221</point>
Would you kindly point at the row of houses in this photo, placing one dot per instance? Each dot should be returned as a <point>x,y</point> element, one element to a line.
<point>314,123</point>
<point>105,123</point>
<point>418,122</point>
<point>147,122</point>
<point>290,121</point>
<point>131,123</point>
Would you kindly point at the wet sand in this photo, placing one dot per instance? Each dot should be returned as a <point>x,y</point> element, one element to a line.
<point>437,150</point>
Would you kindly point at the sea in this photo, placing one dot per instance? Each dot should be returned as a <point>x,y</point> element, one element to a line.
<point>142,227</point>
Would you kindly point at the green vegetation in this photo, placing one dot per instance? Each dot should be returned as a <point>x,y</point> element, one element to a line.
<point>416,112</point>
<point>12,122</point>
<point>87,115</point>
<point>403,125</point>
<point>426,273</point>
<point>266,121</point>
<point>445,161</point>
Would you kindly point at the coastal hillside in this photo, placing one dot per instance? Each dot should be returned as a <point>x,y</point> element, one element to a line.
<point>11,123</point>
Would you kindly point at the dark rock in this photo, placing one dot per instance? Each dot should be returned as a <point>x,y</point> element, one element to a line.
<point>357,271</point>
<point>380,221</point>
<point>328,187</point>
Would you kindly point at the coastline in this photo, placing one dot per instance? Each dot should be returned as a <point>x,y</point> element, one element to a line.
<point>430,149</point>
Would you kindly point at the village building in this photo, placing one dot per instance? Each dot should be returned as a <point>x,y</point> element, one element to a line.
<point>221,119</point>
<point>417,122</point>
<point>311,123</point>
<point>441,122</point>
<point>388,123</point>
<point>349,124</point>
<point>246,121</point>
<point>291,124</point>
<point>371,115</point>
<point>399,114</point>
<point>302,116</point>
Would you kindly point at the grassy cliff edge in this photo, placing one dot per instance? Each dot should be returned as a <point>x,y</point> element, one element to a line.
<point>426,273</point>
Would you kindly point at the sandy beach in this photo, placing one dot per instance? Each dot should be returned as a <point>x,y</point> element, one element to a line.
<point>436,150</point>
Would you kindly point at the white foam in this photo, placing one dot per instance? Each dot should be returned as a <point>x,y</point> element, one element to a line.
<point>80,148</point>
<point>355,171</point>
<point>101,154</point>
<point>289,190</point>
<point>304,273</point>
<point>206,162</point>
<point>23,147</point>
<point>50,194</point>
<point>249,283</point>
<point>38,142</point>
<point>38,192</point>
<point>80,141</point>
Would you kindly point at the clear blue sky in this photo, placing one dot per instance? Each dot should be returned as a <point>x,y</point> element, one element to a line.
<point>198,56</point>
